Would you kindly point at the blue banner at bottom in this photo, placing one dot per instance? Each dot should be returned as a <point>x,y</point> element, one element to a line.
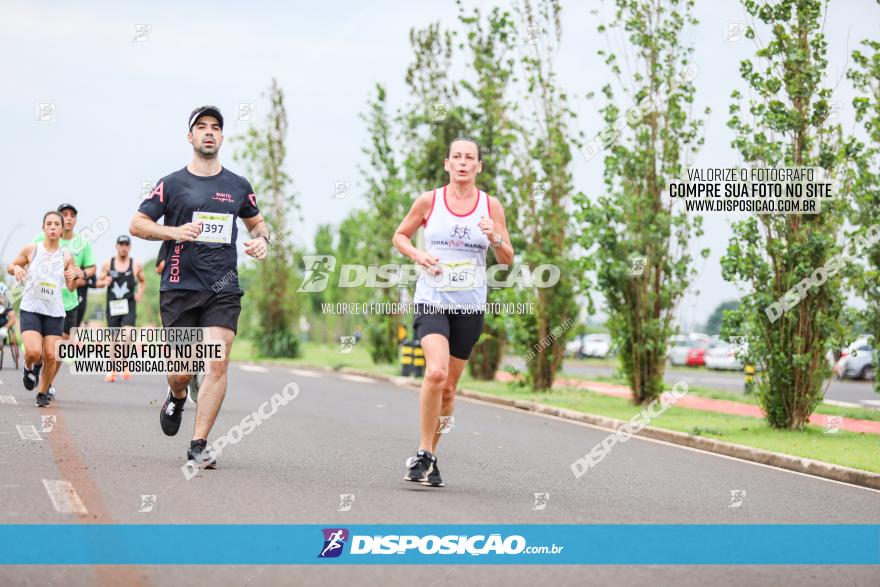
<point>630,544</point>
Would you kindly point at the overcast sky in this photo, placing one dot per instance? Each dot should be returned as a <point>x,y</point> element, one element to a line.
<point>121,96</point>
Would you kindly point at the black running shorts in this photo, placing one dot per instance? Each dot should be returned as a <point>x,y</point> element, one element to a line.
<point>182,308</point>
<point>462,329</point>
<point>45,325</point>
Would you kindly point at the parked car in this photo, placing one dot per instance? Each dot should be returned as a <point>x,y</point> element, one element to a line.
<point>595,345</point>
<point>681,345</point>
<point>722,355</point>
<point>857,363</point>
<point>678,347</point>
<point>573,347</point>
<point>696,356</point>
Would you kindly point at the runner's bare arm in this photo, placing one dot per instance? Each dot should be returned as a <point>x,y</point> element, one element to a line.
<point>258,245</point>
<point>142,281</point>
<point>402,239</point>
<point>142,226</point>
<point>504,253</point>
<point>104,277</point>
<point>71,271</point>
<point>18,267</point>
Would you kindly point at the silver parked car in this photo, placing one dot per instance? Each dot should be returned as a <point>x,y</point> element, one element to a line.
<point>858,363</point>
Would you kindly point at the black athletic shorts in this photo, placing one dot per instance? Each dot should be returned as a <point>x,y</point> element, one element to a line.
<point>70,319</point>
<point>45,325</point>
<point>462,329</point>
<point>123,319</point>
<point>190,309</point>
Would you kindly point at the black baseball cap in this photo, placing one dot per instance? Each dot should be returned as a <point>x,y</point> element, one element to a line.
<point>63,207</point>
<point>205,111</point>
<point>123,239</point>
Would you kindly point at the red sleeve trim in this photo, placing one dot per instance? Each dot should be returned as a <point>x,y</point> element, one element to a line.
<point>433,199</point>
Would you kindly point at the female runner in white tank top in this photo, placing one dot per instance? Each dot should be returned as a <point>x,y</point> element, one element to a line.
<point>43,268</point>
<point>461,223</point>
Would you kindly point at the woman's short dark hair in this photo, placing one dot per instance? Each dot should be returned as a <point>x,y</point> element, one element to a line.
<point>51,213</point>
<point>468,139</point>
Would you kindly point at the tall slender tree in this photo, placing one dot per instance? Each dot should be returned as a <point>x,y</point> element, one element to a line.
<point>786,123</point>
<point>542,190</point>
<point>865,169</point>
<point>263,153</point>
<point>637,240</point>
<point>388,203</point>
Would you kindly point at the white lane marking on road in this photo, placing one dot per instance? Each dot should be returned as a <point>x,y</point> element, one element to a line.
<point>834,402</point>
<point>663,442</point>
<point>64,497</point>
<point>303,373</point>
<point>28,432</point>
<point>7,399</point>
<point>871,402</point>
<point>253,368</point>
<point>357,378</point>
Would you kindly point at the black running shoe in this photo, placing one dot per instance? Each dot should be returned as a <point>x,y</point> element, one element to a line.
<point>199,454</point>
<point>171,414</point>
<point>29,379</point>
<point>42,400</point>
<point>418,466</point>
<point>434,479</point>
<point>37,369</point>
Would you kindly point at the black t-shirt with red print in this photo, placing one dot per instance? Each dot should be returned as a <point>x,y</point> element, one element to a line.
<point>208,264</point>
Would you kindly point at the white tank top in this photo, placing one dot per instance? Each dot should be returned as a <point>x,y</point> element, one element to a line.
<point>42,286</point>
<point>456,240</point>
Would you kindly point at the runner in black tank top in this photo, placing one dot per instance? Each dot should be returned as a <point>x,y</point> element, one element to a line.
<point>122,294</point>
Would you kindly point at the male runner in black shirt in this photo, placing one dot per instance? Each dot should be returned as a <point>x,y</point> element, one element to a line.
<point>199,288</point>
<point>125,282</point>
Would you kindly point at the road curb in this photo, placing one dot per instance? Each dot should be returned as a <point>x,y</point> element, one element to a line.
<point>765,457</point>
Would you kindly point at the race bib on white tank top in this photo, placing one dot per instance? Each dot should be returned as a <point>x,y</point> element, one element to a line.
<point>457,241</point>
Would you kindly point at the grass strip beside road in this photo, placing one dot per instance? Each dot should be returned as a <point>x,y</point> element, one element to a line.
<point>849,449</point>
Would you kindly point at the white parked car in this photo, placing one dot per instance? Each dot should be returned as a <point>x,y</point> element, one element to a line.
<point>573,347</point>
<point>722,356</point>
<point>596,345</point>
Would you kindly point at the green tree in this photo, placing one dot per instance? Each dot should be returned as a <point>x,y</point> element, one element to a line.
<point>388,203</point>
<point>263,153</point>
<point>435,117</point>
<point>490,48</point>
<point>541,194</point>
<point>865,75</point>
<point>786,124</point>
<point>713,324</point>
<point>641,261</point>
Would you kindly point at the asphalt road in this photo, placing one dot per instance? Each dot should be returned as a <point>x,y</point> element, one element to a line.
<point>349,435</point>
<point>860,393</point>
